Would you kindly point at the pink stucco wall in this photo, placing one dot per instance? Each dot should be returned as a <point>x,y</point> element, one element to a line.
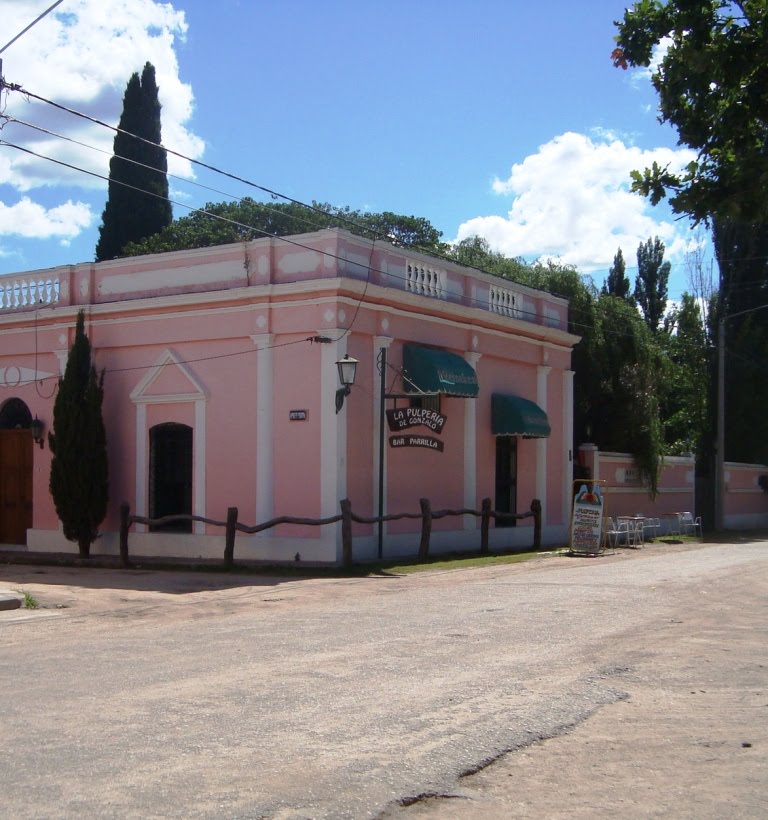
<point>745,503</point>
<point>223,340</point>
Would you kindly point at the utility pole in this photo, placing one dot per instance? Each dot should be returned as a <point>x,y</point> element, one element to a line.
<point>720,447</point>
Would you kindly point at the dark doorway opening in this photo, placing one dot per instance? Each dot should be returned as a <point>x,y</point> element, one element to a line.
<point>16,458</point>
<point>170,475</point>
<point>506,479</point>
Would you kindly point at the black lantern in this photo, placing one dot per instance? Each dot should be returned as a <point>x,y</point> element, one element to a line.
<point>37,427</point>
<point>347,371</point>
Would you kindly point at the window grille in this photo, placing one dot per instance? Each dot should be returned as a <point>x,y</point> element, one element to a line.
<point>426,402</point>
<point>631,475</point>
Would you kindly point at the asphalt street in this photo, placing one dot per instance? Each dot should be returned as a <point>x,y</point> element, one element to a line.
<point>144,694</point>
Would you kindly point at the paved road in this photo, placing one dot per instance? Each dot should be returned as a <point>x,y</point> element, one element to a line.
<point>145,695</point>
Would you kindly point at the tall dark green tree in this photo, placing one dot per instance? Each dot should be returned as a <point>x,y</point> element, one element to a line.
<point>684,384</point>
<point>711,83</point>
<point>137,202</point>
<point>742,251</point>
<point>617,283</point>
<point>651,282</point>
<point>79,481</point>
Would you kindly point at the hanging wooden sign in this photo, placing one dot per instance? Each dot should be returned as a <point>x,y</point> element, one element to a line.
<point>401,418</point>
<point>411,440</point>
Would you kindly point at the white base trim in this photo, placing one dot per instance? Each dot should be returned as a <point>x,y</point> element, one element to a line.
<point>185,545</point>
<point>322,549</point>
<point>746,521</point>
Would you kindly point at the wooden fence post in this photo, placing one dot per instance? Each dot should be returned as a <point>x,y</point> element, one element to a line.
<point>346,532</point>
<point>485,521</point>
<point>536,510</point>
<point>229,537</point>
<point>125,511</point>
<point>426,527</point>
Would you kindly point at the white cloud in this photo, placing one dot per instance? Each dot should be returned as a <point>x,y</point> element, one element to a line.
<point>571,202</point>
<point>30,220</point>
<point>81,55</point>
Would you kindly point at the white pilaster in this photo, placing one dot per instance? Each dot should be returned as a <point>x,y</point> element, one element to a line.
<point>141,464</point>
<point>265,453</point>
<point>333,427</point>
<point>379,342</point>
<point>199,445</point>
<point>542,372</point>
<point>470,450</point>
<point>568,454</point>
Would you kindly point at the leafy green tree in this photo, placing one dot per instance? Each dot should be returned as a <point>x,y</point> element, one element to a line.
<point>407,231</point>
<point>711,83</point>
<point>137,202</point>
<point>624,407</point>
<point>79,480</point>
<point>651,282</point>
<point>226,222</point>
<point>617,283</point>
<point>617,365</point>
<point>475,252</point>
<point>684,384</point>
<point>742,251</point>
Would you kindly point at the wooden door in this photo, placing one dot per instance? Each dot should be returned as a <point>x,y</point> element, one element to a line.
<point>15,485</point>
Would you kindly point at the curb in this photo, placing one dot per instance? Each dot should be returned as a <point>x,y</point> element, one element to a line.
<point>9,600</point>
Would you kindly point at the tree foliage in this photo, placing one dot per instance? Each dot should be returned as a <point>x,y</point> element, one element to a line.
<point>651,282</point>
<point>79,469</point>
<point>683,388</point>
<point>742,251</point>
<point>625,408</point>
<point>617,362</point>
<point>137,202</point>
<point>712,83</point>
<point>225,222</point>
<point>617,283</point>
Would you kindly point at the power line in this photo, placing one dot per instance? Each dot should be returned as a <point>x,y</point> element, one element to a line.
<point>235,177</point>
<point>25,30</point>
<point>337,216</point>
<point>361,228</point>
<point>143,165</point>
<point>469,301</point>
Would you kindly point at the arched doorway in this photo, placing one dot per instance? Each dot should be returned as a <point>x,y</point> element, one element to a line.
<point>15,472</point>
<point>170,474</point>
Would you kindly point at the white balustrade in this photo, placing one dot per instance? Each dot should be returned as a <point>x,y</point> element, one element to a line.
<point>24,292</point>
<point>424,281</point>
<point>504,301</point>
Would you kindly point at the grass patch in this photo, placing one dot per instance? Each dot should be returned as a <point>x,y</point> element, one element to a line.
<point>405,566</point>
<point>30,602</point>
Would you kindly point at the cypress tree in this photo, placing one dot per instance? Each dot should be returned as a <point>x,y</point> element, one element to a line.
<point>131,215</point>
<point>79,472</point>
<point>651,282</point>
<point>617,283</point>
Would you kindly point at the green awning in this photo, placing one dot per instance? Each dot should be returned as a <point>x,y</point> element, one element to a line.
<point>429,370</point>
<point>516,416</point>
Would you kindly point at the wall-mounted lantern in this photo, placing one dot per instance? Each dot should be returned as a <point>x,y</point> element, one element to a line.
<point>37,428</point>
<point>347,372</point>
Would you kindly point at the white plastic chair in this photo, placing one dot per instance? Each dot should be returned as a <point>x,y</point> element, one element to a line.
<point>690,525</point>
<point>636,534</point>
<point>611,533</point>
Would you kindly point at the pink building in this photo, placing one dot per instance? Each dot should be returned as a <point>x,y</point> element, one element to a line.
<point>220,391</point>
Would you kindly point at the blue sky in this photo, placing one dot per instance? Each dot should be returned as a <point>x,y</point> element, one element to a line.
<point>494,117</point>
